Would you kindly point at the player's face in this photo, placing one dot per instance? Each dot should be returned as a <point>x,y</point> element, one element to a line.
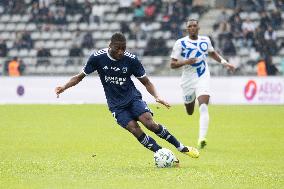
<point>192,28</point>
<point>117,49</point>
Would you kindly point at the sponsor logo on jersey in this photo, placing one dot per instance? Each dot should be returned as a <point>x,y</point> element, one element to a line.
<point>115,80</point>
<point>124,69</point>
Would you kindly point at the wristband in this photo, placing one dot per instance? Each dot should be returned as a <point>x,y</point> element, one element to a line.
<point>223,61</point>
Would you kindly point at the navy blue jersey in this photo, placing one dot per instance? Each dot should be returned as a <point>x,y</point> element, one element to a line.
<point>115,76</point>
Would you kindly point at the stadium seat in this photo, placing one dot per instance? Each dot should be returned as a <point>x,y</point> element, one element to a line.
<point>131,44</point>
<point>20,27</point>
<point>55,35</point>
<point>5,35</point>
<point>277,59</point>
<point>13,53</point>
<point>87,52</point>
<point>55,52</point>
<point>101,44</point>
<point>280,33</point>
<point>5,18</point>
<point>244,15</point>
<point>31,69</point>
<point>10,27</point>
<point>39,44</point>
<point>64,52</point>
<point>32,53</point>
<point>10,44</point>
<point>72,27</point>
<point>194,16</point>
<point>281,52</point>
<point>170,43</point>
<point>254,16</point>
<point>141,43</point>
<point>35,35</point>
<point>66,35</point>
<point>97,35</point>
<point>2,27</point>
<point>83,26</point>
<point>23,53</point>
<point>49,44</point>
<point>110,17</point>
<point>29,62</point>
<point>93,26</point>
<point>60,44</point>
<point>45,35</point>
<point>114,26</point>
<point>25,18</point>
<point>244,51</point>
<point>107,35</point>
<point>15,18</point>
<point>31,27</point>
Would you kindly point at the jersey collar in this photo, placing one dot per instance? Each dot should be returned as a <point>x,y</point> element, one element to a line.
<point>110,57</point>
<point>193,39</point>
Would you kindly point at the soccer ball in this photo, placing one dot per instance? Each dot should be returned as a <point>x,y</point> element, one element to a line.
<point>165,158</point>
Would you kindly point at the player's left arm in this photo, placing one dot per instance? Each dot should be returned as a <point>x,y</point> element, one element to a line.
<point>152,90</point>
<point>216,56</point>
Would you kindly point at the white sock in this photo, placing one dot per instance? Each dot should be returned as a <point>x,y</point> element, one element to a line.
<point>203,121</point>
<point>180,147</point>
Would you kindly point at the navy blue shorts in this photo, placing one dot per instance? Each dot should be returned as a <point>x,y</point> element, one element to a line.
<point>131,112</point>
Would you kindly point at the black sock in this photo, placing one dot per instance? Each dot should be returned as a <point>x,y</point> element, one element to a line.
<point>163,133</point>
<point>149,142</point>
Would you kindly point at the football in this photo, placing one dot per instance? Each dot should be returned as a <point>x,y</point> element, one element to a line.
<point>165,158</point>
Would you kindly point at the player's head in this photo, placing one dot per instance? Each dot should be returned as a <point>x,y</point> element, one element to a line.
<point>192,27</point>
<point>117,46</point>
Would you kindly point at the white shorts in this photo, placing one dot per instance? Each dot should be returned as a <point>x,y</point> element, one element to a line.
<point>202,87</point>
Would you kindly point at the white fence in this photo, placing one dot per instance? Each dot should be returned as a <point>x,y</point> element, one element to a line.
<point>224,90</point>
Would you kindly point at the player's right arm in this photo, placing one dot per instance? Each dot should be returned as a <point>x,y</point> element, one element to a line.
<point>72,82</point>
<point>89,67</point>
<point>176,61</point>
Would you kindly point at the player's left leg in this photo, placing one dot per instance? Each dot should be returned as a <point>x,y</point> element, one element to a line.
<point>141,111</point>
<point>125,119</point>
<point>147,141</point>
<point>203,120</point>
<point>147,120</point>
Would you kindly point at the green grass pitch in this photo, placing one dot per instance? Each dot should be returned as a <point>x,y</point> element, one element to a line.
<point>80,146</point>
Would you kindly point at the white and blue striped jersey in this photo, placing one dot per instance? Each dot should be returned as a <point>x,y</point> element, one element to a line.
<point>186,48</point>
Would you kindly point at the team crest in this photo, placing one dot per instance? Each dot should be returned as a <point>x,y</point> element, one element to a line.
<point>203,46</point>
<point>124,69</point>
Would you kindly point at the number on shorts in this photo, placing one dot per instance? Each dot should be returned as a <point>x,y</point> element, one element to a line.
<point>113,115</point>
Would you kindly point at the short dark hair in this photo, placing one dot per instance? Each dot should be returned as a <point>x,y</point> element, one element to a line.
<point>118,37</point>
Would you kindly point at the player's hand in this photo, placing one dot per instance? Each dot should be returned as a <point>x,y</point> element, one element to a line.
<point>225,63</point>
<point>230,67</point>
<point>59,90</point>
<point>190,61</point>
<point>161,101</point>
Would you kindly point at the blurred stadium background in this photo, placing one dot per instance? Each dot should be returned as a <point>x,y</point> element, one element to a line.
<point>43,38</point>
<point>44,42</point>
<point>54,37</point>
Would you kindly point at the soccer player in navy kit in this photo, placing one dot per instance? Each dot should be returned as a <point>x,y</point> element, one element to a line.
<point>115,67</point>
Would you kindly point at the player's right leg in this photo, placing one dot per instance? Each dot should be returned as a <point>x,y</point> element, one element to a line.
<point>189,107</point>
<point>126,120</point>
<point>139,110</point>
<point>144,139</point>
